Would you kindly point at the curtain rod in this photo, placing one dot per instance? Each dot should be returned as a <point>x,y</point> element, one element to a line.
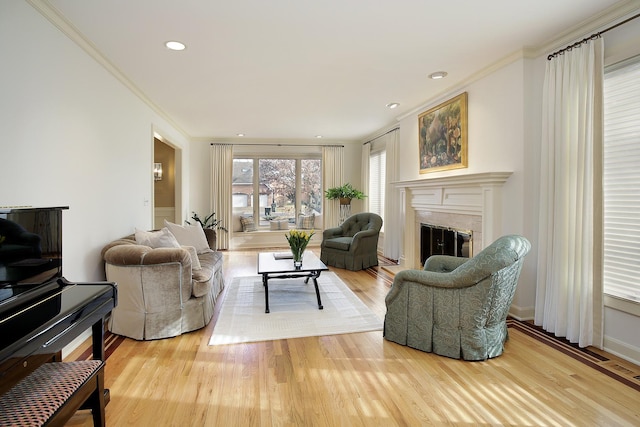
<point>380,136</point>
<point>591,37</point>
<point>277,145</point>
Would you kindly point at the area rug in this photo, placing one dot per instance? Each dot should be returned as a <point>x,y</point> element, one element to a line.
<point>293,309</point>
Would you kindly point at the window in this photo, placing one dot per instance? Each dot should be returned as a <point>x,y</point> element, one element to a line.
<point>279,193</point>
<point>377,180</point>
<point>622,180</point>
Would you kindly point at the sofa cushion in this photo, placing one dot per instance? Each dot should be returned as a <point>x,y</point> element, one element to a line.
<point>210,261</point>
<point>341,243</point>
<point>195,261</point>
<point>157,239</point>
<point>189,235</point>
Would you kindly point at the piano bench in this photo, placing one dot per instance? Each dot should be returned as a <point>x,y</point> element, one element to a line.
<point>51,394</point>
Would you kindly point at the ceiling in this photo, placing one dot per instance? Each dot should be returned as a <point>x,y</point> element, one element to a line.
<point>294,69</point>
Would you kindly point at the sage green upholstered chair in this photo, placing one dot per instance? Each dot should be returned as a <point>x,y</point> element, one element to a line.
<point>457,307</point>
<point>354,244</point>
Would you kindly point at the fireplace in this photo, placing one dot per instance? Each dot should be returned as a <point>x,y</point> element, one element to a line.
<point>471,202</point>
<point>441,240</point>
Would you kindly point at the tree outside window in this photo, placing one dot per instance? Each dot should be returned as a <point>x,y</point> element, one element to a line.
<point>282,190</point>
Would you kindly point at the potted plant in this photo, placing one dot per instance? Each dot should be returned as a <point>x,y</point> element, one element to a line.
<point>345,193</point>
<point>209,224</point>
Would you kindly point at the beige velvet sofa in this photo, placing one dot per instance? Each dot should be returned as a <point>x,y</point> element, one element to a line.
<point>160,294</point>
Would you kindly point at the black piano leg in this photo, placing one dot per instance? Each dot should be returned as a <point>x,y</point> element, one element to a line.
<point>97,332</point>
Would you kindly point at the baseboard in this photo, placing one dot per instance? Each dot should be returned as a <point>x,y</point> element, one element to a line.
<point>622,350</point>
<point>522,313</point>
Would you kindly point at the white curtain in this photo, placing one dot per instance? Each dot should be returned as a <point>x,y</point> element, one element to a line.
<point>221,179</point>
<point>569,271</point>
<point>332,170</point>
<point>392,226</point>
<point>364,171</point>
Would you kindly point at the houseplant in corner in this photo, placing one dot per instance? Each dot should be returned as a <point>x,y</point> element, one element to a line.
<point>209,224</point>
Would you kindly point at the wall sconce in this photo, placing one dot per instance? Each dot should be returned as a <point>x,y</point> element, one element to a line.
<point>157,171</point>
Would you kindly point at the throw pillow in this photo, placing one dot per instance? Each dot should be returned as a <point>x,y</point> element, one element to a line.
<point>306,222</point>
<point>156,239</point>
<point>247,223</point>
<point>189,235</point>
<point>195,261</point>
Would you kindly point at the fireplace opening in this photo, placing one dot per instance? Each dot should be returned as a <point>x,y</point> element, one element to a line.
<point>440,240</point>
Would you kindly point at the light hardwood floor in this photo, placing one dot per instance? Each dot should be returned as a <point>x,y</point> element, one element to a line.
<point>352,380</point>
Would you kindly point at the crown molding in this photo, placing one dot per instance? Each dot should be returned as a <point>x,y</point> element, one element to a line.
<point>594,24</point>
<point>610,16</point>
<point>46,9</point>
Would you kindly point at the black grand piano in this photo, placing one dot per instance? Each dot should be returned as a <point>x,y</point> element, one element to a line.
<point>40,311</point>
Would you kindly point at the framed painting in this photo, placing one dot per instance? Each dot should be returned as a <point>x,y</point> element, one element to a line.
<point>442,136</point>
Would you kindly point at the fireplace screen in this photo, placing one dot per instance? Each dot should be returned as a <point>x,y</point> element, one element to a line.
<point>439,240</point>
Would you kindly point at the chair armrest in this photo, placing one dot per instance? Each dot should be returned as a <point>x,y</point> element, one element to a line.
<point>331,232</point>
<point>361,238</point>
<point>443,263</point>
<point>450,280</point>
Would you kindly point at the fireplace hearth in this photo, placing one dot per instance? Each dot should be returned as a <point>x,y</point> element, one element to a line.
<point>440,240</point>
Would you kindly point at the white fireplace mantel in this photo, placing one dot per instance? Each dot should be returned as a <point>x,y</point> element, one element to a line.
<point>473,195</point>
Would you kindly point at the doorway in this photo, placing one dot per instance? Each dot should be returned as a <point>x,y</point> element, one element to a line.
<point>164,183</point>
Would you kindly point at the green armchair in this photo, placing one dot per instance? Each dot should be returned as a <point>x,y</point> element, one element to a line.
<point>354,244</point>
<point>457,307</point>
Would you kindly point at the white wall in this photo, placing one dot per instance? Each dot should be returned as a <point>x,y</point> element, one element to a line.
<point>73,135</point>
<point>200,177</point>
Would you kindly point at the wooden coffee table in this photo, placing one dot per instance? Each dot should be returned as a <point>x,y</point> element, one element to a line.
<point>271,268</point>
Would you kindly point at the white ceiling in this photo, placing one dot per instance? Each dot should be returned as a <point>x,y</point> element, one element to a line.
<point>299,68</point>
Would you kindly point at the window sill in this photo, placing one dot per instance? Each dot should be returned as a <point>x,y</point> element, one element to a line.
<point>627,306</point>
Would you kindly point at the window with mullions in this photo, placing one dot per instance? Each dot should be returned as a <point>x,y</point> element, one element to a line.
<point>284,193</point>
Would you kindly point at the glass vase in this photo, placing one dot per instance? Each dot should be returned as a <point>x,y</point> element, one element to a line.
<point>297,257</point>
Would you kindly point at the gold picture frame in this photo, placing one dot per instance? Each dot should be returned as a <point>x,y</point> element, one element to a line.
<point>442,136</point>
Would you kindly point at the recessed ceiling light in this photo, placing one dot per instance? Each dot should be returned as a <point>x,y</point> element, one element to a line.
<point>240,134</point>
<point>393,105</point>
<point>318,136</point>
<point>174,45</point>
<point>438,75</point>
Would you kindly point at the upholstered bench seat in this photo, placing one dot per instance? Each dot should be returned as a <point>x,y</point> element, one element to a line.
<point>279,224</point>
<point>52,393</point>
